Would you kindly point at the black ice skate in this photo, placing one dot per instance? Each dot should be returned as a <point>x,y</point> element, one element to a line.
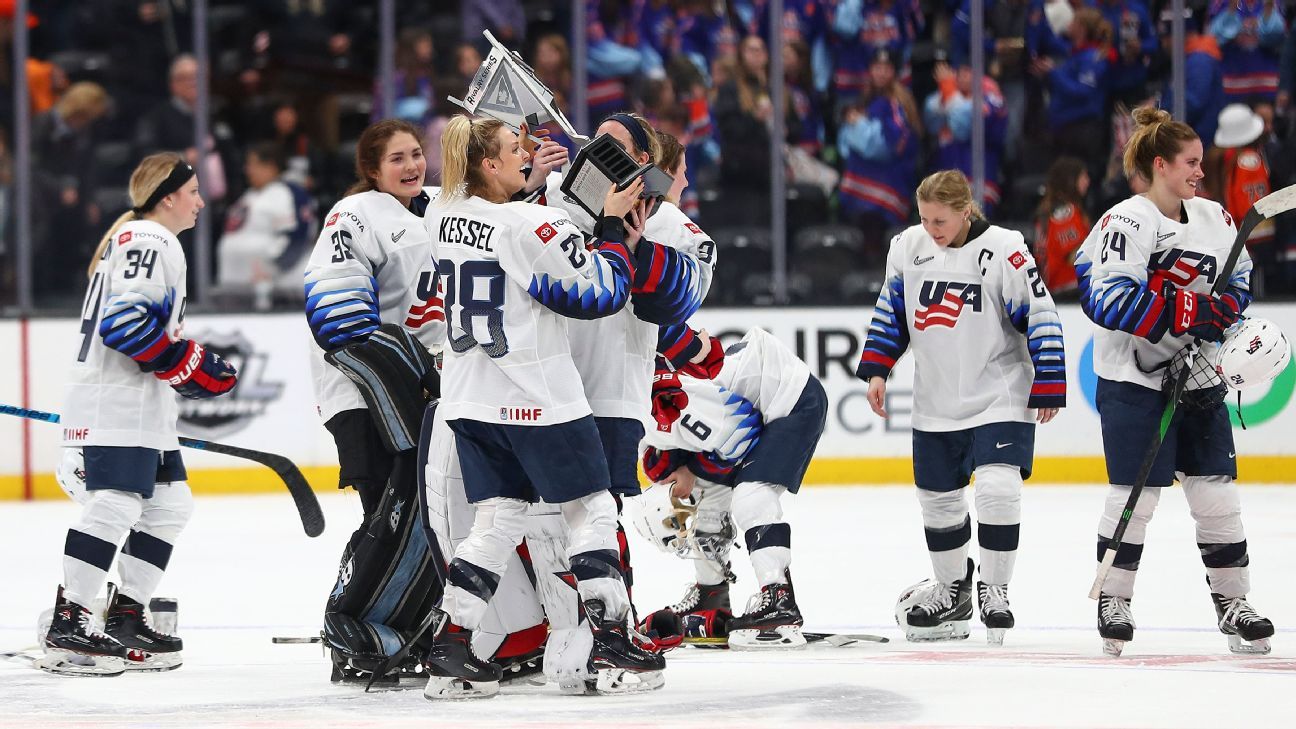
<point>455,672</point>
<point>1247,632</point>
<point>944,612</point>
<point>1115,623</point>
<point>74,648</point>
<point>995,613</point>
<point>617,664</point>
<point>772,620</point>
<point>127,624</point>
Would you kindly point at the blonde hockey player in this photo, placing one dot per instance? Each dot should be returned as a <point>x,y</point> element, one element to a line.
<point>967,298</point>
<point>513,273</point>
<point>1145,272</point>
<point>121,458</point>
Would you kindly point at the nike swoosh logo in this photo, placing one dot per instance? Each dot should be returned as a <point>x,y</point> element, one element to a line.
<point>1231,455</point>
<point>1002,445</point>
<point>1163,236</point>
<point>920,261</point>
<point>397,236</point>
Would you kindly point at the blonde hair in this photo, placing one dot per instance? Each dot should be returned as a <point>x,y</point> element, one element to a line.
<point>951,188</point>
<point>464,144</point>
<point>369,151</point>
<point>151,172</point>
<point>1155,135</point>
<point>83,101</point>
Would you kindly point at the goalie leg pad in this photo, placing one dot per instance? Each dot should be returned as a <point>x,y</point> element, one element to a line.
<point>389,369</point>
<point>593,550</point>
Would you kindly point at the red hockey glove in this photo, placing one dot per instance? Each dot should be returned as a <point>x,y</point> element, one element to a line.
<point>710,365</point>
<point>195,372</point>
<point>1201,315</point>
<point>668,398</point>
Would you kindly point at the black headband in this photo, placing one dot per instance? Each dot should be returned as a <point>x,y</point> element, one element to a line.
<point>637,132</point>
<point>180,174</point>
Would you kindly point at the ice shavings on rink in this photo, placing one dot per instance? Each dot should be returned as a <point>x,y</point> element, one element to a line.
<point>243,573</point>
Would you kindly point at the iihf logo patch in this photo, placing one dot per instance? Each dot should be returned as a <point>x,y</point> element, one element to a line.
<point>941,303</point>
<point>546,233</point>
<point>124,238</point>
<point>1017,259</point>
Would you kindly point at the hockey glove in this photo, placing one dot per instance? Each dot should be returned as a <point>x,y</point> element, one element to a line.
<point>710,365</point>
<point>1201,315</point>
<point>668,398</point>
<point>195,372</point>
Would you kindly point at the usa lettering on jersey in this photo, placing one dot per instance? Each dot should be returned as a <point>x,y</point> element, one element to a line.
<point>941,303</point>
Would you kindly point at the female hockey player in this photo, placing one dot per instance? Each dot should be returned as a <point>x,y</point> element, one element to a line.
<point>512,272</point>
<point>371,265</point>
<point>121,459</point>
<point>1145,271</point>
<point>752,431</point>
<point>957,284</point>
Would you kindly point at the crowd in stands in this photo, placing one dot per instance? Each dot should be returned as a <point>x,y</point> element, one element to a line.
<point>877,93</point>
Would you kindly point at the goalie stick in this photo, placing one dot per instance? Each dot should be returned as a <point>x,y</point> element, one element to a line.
<point>1269,206</point>
<point>308,507</point>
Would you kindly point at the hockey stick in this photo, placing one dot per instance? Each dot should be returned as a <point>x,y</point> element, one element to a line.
<point>1279,201</point>
<point>307,505</point>
<point>843,639</point>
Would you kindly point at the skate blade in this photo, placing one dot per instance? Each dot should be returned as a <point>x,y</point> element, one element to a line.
<point>1257,647</point>
<point>440,688</point>
<point>67,663</point>
<point>1113,647</point>
<point>783,637</point>
<point>138,661</point>
<point>709,642</point>
<point>617,681</point>
<point>995,636</point>
<point>952,630</point>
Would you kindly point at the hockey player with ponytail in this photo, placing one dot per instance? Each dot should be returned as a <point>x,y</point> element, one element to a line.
<point>121,458</point>
<point>967,298</point>
<point>1145,272</point>
<point>513,274</point>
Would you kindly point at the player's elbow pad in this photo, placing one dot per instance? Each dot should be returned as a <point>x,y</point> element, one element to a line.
<point>135,325</point>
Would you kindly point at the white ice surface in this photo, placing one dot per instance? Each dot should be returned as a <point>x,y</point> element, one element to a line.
<point>244,572</point>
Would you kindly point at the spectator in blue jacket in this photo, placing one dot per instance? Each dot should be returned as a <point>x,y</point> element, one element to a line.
<point>863,27</point>
<point>948,117</point>
<point>1203,80</point>
<point>878,141</point>
<point>1250,34</point>
<point>1078,90</point>
<point>1135,43</point>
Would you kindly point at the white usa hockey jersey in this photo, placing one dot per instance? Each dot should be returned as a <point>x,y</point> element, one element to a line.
<point>138,284</point>
<point>1124,267</point>
<point>372,264</point>
<point>512,274</point>
<point>760,382</point>
<point>673,273</point>
<point>983,329</point>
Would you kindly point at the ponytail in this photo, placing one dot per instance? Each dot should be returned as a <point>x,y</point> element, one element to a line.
<point>122,219</point>
<point>464,144</point>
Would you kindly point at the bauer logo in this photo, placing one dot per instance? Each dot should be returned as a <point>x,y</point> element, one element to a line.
<point>219,416</point>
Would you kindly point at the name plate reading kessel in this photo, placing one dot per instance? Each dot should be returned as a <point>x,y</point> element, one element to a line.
<point>603,163</point>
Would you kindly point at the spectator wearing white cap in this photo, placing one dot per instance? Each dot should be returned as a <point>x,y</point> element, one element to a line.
<point>1237,174</point>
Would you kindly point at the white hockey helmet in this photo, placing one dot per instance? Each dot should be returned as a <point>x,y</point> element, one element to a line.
<point>664,520</point>
<point>1253,353</point>
<point>911,596</point>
